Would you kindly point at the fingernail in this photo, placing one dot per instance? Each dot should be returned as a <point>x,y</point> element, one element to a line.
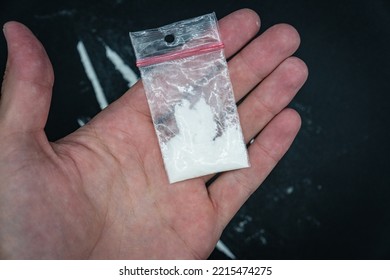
<point>4,28</point>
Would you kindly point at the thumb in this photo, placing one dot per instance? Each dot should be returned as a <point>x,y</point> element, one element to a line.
<point>27,86</point>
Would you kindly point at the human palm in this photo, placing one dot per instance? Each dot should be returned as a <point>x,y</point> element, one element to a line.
<point>102,191</point>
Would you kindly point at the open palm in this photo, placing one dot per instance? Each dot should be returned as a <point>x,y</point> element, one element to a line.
<point>102,192</point>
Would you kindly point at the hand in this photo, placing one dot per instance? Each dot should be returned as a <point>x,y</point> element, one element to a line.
<point>102,192</point>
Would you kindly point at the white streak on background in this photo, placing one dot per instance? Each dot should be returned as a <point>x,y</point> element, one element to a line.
<point>224,249</point>
<point>80,122</point>
<point>101,98</point>
<point>127,73</point>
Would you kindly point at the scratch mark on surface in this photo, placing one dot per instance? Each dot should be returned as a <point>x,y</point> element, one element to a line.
<point>240,227</point>
<point>60,13</point>
<point>90,71</point>
<point>224,249</point>
<point>127,73</point>
<point>290,190</point>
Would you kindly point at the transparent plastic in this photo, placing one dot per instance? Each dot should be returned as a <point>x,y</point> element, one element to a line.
<point>190,96</point>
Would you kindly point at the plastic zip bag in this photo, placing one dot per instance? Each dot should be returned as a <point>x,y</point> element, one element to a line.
<point>190,96</point>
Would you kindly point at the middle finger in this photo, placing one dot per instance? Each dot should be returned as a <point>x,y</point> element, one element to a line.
<point>257,60</point>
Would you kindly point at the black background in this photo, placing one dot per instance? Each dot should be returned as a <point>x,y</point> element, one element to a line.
<point>329,196</point>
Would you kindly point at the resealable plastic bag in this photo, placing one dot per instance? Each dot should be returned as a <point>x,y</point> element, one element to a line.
<point>190,96</point>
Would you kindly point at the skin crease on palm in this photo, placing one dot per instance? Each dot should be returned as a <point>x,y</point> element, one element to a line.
<point>102,192</point>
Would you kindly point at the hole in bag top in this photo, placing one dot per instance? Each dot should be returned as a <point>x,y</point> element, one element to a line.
<point>170,38</point>
<point>177,40</point>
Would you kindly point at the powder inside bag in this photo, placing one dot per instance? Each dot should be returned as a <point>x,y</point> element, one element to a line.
<point>198,149</point>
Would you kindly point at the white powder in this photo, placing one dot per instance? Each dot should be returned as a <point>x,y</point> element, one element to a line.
<point>197,150</point>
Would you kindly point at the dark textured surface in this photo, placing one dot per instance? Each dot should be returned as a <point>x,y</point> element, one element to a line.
<point>329,197</point>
